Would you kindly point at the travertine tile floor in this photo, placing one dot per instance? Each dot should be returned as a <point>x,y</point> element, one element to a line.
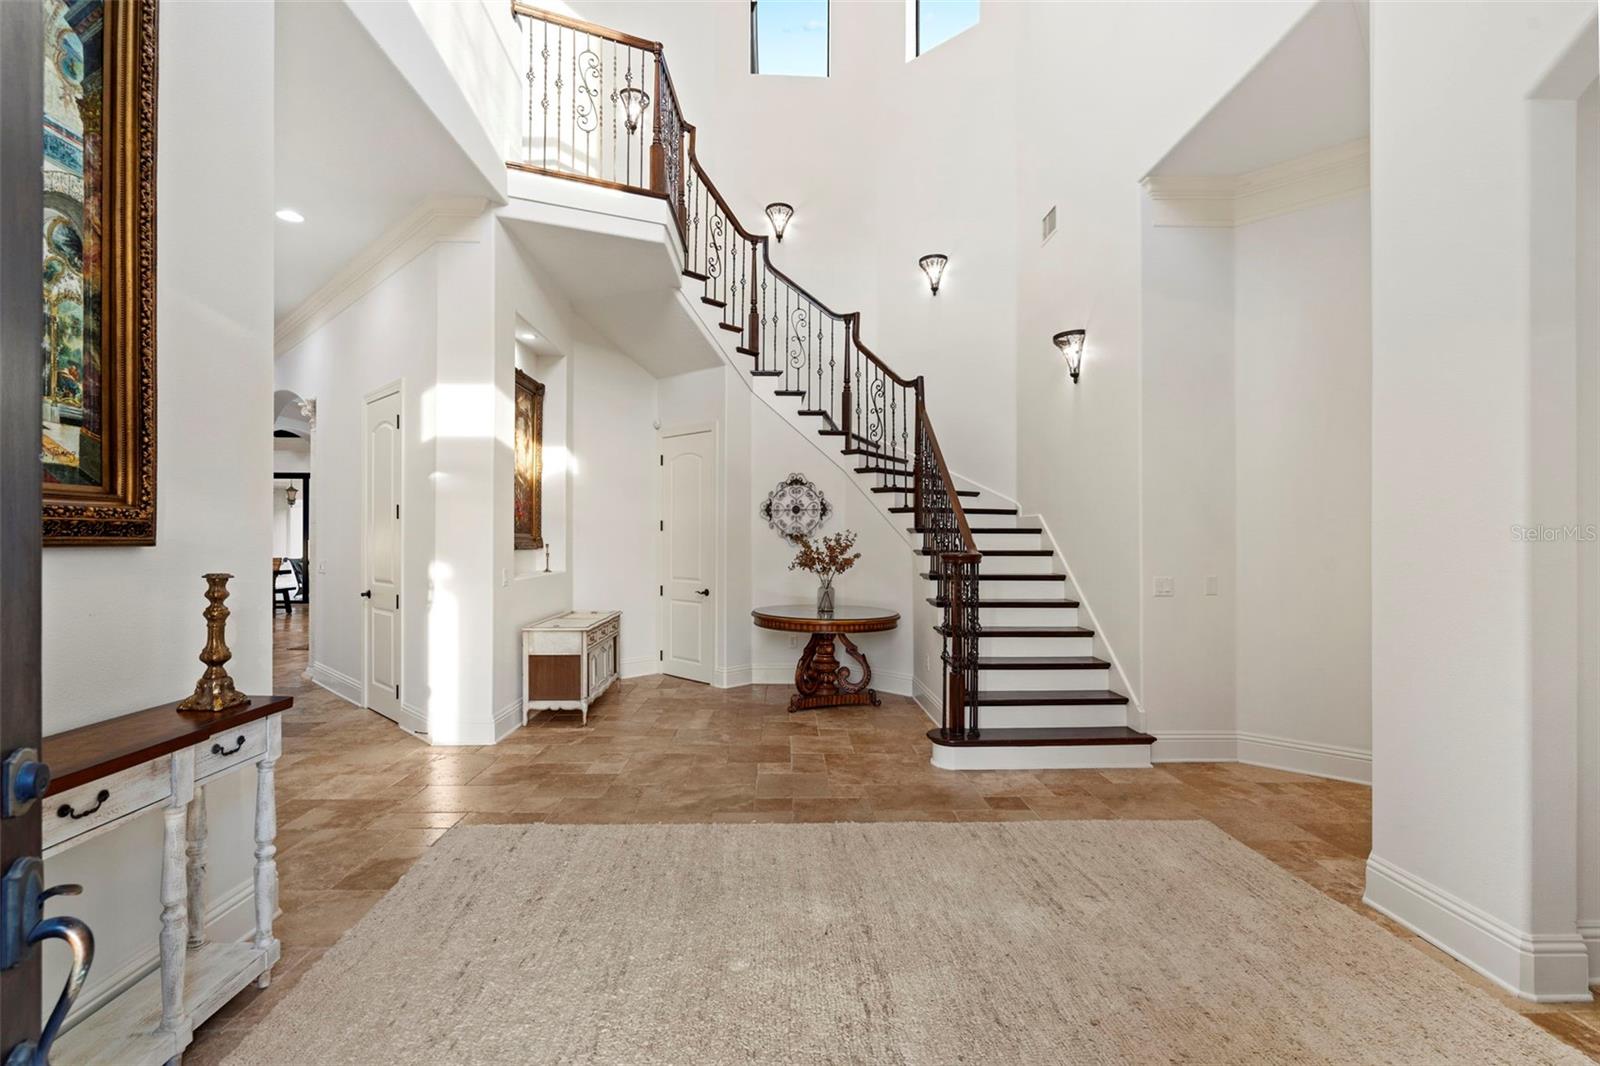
<point>359,801</point>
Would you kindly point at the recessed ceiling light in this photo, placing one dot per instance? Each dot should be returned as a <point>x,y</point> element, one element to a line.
<point>289,214</point>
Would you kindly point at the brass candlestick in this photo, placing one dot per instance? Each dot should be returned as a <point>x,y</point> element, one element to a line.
<point>214,691</point>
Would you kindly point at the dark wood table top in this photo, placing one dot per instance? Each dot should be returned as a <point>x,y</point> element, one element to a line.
<point>846,618</point>
<point>93,751</point>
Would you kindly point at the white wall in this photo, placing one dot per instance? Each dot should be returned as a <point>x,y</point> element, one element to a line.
<point>1588,349</point>
<point>1474,801</point>
<point>1188,490</point>
<point>122,626</point>
<point>1303,440</point>
<point>387,335</point>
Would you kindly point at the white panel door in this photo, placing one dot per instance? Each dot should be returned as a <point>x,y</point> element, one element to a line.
<point>382,521</point>
<point>689,525</point>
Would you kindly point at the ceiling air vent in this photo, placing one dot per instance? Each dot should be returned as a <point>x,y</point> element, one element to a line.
<point>1047,225</point>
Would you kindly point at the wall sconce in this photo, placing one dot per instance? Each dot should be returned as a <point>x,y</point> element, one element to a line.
<point>933,266</point>
<point>1071,344</point>
<point>779,215</point>
<point>290,495</point>
<point>634,101</point>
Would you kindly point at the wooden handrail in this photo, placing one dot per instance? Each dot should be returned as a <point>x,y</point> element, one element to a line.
<point>592,28</point>
<point>971,555</point>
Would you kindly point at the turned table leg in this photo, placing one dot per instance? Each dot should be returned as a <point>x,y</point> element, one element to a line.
<point>266,869</point>
<point>174,898</point>
<point>197,868</point>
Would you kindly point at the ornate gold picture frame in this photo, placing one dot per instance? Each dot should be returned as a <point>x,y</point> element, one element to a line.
<point>98,444</point>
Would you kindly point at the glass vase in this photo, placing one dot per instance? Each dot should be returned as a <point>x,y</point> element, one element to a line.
<point>825,599</point>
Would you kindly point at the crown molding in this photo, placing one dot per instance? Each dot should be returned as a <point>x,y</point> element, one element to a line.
<point>1237,200</point>
<point>433,220</point>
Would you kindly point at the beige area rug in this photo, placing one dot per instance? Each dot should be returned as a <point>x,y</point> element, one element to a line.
<point>1082,942</point>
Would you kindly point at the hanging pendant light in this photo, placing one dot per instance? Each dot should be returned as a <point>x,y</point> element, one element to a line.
<point>1071,344</point>
<point>779,215</point>
<point>634,101</point>
<point>290,495</point>
<point>933,266</point>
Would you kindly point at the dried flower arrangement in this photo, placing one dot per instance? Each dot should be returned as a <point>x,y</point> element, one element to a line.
<point>827,558</point>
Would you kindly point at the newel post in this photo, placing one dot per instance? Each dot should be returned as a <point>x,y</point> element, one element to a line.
<point>658,152</point>
<point>753,326</point>
<point>955,675</point>
<point>916,462</point>
<point>845,420</point>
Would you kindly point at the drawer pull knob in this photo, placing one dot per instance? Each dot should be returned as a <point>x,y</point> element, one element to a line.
<point>66,811</point>
<point>218,749</point>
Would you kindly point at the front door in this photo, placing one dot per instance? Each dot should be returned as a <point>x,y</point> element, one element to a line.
<point>382,544</point>
<point>689,553</point>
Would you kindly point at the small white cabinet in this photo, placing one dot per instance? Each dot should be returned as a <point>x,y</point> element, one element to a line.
<point>570,661</point>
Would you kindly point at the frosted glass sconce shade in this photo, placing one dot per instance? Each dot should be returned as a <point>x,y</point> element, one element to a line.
<point>933,266</point>
<point>1071,344</point>
<point>779,215</point>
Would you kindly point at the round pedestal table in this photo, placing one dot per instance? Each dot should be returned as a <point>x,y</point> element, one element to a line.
<point>820,680</point>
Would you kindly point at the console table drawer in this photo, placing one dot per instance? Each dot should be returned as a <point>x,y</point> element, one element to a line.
<point>232,748</point>
<point>71,814</point>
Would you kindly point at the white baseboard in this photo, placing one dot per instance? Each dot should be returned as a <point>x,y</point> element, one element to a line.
<point>1257,749</point>
<point>1306,757</point>
<point>1590,932</point>
<point>929,701</point>
<point>1196,746</point>
<point>229,918</point>
<point>340,684</point>
<point>732,677</point>
<point>1543,967</point>
<point>507,719</point>
<point>639,668</point>
<point>413,720</point>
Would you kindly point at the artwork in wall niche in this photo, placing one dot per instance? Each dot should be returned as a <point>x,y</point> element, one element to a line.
<point>528,493</point>
<point>796,508</point>
<point>97,366</point>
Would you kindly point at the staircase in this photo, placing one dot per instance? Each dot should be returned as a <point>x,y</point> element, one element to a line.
<point>1022,687</point>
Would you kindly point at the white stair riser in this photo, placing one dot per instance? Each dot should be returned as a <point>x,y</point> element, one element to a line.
<point>1036,646</point>
<point>1028,616</point>
<point>991,589</point>
<point>1051,717</point>
<point>986,541</point>
<point>1017,564</point>
<point>1040,757</point>
<point>1044,680</point>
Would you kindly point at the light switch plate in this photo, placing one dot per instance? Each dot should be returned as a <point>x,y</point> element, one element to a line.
<point>1213,586</point>
<point>1165,586</point>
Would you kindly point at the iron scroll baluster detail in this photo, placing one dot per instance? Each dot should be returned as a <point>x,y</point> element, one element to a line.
<point>586,95</point>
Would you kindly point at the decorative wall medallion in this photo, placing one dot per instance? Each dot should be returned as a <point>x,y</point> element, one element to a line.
<point>796,507</point>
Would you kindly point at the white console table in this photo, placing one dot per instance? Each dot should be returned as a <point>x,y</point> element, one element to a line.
<point>105,774</point>
<point>569,661</point>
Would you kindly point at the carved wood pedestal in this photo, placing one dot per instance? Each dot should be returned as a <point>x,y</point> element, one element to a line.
<point>820,680</point>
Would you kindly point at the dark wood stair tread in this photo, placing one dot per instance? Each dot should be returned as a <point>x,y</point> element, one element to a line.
<point>1063,736</point>
<point>1041,662</point>
<point>742,350</point>
<point>964,510</point>
<point>1012,577</point>
<point>1068,697</point>
<point>1025,632</point>
<point>696,275</point>
<point>999,553</point>
<point>713,301</point>
<point>991,529</point>
<point>939,601</point>
<point>883,470</point>
<point>730,327</point>
<point>768,374</point>
<point>787,392</point>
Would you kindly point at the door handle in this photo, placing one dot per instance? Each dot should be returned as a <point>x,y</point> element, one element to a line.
<point>22,898</point>
<point>367,595</point>
<point>703,592</point>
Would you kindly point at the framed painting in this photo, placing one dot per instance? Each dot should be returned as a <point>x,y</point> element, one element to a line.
<point>97,363</point>
<point>529,455</point>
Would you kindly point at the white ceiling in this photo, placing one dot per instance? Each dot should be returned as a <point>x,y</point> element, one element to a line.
<point>356,149</point>
<point>1309,92</point>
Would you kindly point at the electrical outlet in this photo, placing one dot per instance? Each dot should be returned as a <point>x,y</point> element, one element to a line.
<point>1213,586</point>
<point>1165,586</point>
